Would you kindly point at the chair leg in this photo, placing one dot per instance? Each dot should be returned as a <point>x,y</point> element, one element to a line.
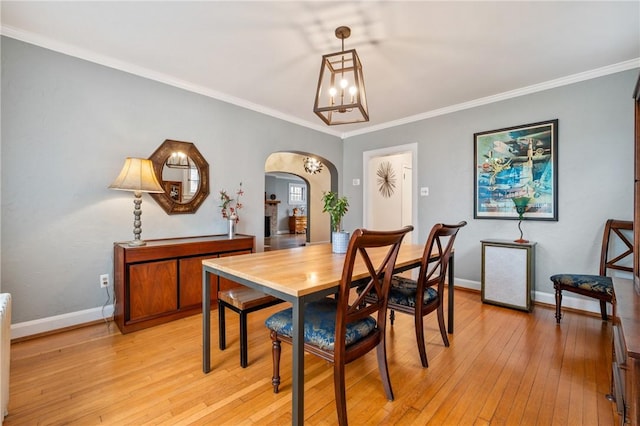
<point>420,339</point>
<point>558,305</point>
<point>275,350</point>
<point>443,329</point>
<point>381,352</point>
<point>222,337</point>
<point>392,316</point>
<point>243,340</point>
<point>603,310</point>
<point>340,393</point>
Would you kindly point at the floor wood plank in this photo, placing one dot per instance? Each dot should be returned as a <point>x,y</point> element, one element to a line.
<point>503,367</point>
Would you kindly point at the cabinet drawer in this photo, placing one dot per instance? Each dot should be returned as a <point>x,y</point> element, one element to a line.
<point>619,347</point>
<point>153,289</point>
<point>618,389</point>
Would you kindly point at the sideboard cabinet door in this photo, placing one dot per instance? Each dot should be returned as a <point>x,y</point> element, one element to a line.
<point>225,283</point>
<point>191,282</point>
<point>153,289</point>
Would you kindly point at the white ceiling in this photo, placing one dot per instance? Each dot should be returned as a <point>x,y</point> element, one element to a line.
<point>420,58</point>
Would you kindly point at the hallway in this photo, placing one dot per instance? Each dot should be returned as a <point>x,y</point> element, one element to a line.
<point>283,241</point>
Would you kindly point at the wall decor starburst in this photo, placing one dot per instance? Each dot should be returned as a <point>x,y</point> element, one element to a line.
<point>386,179</point>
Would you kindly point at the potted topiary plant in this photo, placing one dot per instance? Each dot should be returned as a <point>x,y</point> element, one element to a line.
<point>336,207</point>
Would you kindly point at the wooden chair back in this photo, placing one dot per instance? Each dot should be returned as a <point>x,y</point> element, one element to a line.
<point>616,227</point>
<point>433,269</point>
<point>378,282</point>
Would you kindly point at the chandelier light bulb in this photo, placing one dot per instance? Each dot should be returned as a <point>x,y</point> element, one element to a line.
<point>344,83</point>
<point>352,92</point>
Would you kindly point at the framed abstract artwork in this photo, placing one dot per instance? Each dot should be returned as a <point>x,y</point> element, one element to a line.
<point>517,166</point>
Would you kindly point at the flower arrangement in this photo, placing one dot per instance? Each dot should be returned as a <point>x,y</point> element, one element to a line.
<point>230,206</point>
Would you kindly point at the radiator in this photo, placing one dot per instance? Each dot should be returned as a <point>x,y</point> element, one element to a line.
<point>5,352</point>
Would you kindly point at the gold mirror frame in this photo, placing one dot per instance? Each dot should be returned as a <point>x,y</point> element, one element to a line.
<point>159,158</point>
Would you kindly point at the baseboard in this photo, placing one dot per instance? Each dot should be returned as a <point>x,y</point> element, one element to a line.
<point>44,325</point>
<point>471,285</point>
<point>576,303</point>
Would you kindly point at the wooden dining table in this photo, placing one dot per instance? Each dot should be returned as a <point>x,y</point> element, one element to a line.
<point>297,275</point>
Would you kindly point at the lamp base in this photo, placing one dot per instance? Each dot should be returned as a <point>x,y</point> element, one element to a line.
<point>137,243</point>
<point>520,241</point>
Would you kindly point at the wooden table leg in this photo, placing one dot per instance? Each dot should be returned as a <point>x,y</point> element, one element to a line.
<point>297,395</point>
<point>206,321</point>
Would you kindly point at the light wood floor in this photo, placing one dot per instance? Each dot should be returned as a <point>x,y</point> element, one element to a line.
<point>284,241</point>
<point>503,367</point>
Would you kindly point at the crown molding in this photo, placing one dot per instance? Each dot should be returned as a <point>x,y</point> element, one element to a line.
<point>564,81</point>
<point>110,62</point>
<point>119,65</point>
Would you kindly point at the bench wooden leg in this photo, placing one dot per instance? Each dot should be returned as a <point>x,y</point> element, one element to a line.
<point>222,337</point>
<point>243,340</point>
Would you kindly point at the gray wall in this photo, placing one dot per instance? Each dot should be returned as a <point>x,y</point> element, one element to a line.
<point>595,172</point>
<point>68,125</point>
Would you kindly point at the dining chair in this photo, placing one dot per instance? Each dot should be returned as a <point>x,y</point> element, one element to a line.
<point>425,294</point>
<point>598,286</point>
<point>339,331</point>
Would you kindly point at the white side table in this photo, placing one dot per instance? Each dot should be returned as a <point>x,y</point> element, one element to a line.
<point>508,271</point>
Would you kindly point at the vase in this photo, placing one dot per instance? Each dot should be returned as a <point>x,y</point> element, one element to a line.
<point>232,228</point>
<point>340,242</point>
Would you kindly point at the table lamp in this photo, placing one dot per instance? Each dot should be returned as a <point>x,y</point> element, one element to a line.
<point>137,175</point>
<point>521,207</point>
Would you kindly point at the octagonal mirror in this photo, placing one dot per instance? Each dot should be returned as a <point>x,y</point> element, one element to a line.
<point>184,175</point>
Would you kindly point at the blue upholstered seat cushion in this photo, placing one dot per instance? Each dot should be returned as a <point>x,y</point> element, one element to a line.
<point>320,324</point>
<point>403,292</point>
<point>595,283</point>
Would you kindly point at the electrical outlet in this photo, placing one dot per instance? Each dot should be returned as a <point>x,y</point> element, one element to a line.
<point>104,280</point>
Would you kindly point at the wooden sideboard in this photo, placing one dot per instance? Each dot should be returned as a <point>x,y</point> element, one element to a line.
<point>625,384</point>
<point>162,281</point>
<point>625,377</point>
<point>297,224</point>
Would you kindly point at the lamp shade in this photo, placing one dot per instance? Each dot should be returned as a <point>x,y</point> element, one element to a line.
<point>137,175</point>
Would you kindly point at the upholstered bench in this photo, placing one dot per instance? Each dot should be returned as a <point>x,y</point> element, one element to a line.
<point>242,300</point>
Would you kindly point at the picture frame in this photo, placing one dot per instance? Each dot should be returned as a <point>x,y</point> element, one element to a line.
<point>520,163</point>
<point>173,190</point>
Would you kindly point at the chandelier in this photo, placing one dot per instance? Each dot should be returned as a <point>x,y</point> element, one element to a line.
<point>178,160</point>
<point>340,97</point>
<point>312,165</point>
